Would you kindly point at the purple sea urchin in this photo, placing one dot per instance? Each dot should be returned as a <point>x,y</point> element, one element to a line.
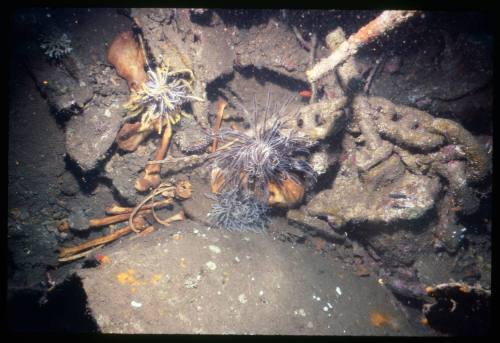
<point>251,162</point>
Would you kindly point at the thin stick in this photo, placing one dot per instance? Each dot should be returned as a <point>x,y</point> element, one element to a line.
<point>374,70</point>
<point>220,112</point>
<point>385,22</point>
<point>306,45</point>
<point>312,56</point>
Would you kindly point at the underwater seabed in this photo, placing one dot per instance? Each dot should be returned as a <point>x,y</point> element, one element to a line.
<point>304,172</point>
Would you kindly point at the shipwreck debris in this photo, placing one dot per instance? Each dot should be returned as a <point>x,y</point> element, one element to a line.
<point>385,22</point>
<point>459,309</point>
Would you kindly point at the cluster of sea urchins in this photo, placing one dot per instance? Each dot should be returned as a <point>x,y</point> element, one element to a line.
<point>259,165</point>
<point>160,97</point>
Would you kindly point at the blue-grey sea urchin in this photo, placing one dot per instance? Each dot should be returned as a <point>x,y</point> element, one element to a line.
<point>238,211</point>
<point>251,162</point>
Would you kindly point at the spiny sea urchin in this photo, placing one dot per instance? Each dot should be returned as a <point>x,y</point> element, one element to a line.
<point>251,162</point>
<point>238,211</point>
<point>161,97</point>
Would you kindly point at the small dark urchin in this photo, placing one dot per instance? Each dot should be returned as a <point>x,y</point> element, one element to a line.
<point>249,162</point>
<point>237,211</point>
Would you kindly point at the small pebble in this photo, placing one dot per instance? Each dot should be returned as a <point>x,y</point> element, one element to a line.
<point>237,259</point>
<point>215,249</point>
<point>135,304</point>
<point>261,293</point>
<point>325,308</point>
<point>242,298</point>
<point>211,265</point>
<point>339,292</point>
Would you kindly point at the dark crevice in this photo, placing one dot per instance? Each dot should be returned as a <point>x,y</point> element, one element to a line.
<point>263,75</point>
<point>64,309</point>
<point>213,92</point>
<point>89,180</point>
<point>245,18</point>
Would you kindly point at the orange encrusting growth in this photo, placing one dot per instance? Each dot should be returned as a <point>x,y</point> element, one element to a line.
<point>379,319</point>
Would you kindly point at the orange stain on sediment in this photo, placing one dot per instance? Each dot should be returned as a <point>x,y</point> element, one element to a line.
<point>379,319</point>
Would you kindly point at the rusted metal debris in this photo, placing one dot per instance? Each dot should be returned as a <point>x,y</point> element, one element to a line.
<point>384,23</point>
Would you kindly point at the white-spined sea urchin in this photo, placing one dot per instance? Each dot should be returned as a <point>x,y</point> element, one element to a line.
<point>250,162</point>
<point>161,96</point>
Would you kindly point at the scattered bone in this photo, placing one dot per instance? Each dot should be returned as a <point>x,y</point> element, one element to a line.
<point>151,178</point>
<point>115,209</point>
<point>129,137</point>
<point>80,255</point>
<point>128,58</point>
<point>99,222</point>
<point>175,218</point>
<point>65,252</point>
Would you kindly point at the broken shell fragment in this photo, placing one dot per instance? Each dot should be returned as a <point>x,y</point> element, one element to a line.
<point>183,189</point>
<point>216,180</point>
<point>147,182</point>
<point>288,194</point>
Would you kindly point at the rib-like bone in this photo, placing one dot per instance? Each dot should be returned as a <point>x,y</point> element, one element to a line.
<point>151,178</point>
<point>99,222</point>
<point>65,252</point>
<point>115,209</point>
